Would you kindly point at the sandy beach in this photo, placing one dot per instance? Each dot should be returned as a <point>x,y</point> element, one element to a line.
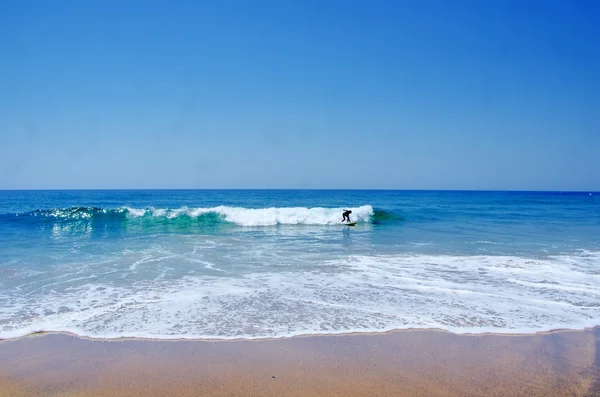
<point>401,363</point>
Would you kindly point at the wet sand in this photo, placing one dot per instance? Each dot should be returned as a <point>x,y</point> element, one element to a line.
<point>401,363</point>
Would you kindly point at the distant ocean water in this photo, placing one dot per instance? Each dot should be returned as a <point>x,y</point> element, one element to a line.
<point>272,263</point>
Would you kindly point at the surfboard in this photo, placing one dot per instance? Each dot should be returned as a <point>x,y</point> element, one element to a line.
<point>349,224</point>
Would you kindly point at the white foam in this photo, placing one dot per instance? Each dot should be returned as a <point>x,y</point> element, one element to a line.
<point>264,216</point>
<point>348,294</point>
<point>135,212</point>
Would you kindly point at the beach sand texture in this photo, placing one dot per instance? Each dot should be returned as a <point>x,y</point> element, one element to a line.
<point>401,363</point>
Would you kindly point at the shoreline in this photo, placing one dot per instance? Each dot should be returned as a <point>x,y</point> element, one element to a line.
<point>412,362</point>
<point>307,335</point>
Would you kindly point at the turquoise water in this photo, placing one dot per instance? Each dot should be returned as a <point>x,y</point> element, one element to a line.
<point>251,264</point>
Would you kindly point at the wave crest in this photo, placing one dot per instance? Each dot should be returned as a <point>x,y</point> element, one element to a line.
<point>222,214</point>
<point>263,216</point>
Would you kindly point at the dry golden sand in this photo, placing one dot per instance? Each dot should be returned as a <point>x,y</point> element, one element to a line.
<point>403,363</point>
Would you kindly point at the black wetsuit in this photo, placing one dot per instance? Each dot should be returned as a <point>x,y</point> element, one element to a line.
<point>346,215</point>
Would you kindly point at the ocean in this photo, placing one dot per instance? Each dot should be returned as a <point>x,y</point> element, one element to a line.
<point>227,264</point>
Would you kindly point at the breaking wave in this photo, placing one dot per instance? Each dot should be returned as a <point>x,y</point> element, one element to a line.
<point>214,216</point>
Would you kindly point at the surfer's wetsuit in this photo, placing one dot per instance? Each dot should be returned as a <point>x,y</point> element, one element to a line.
<point>346,215</point>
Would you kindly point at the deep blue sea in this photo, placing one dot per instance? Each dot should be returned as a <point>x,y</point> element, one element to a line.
<point>273,263</point>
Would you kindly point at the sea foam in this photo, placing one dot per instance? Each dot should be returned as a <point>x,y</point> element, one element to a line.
<point>358,293</point>
<point>263,216</point>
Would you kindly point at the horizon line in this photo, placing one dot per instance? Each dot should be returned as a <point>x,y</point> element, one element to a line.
<point>303,189</point>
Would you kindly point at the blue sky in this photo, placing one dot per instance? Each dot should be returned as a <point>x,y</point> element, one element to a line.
<point>300,94</point>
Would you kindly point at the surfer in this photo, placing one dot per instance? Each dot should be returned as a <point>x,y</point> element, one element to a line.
<point>346,215</point>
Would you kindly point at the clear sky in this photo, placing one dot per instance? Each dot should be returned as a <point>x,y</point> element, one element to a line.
<point>300,94</point>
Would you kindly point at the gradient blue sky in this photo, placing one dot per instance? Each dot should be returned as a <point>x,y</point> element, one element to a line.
<point>300,94</point>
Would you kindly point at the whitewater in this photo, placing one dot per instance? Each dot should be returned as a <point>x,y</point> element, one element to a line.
<point>237,215</point>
